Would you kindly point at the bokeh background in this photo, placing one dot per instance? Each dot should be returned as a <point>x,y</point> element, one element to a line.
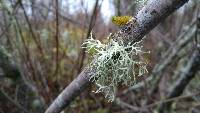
<point>40,54</point>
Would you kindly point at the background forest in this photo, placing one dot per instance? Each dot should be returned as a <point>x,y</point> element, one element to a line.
<point>40,54</point>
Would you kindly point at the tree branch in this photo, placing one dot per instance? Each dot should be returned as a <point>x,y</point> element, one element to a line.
<point>171,54</point>
<point>192,67</point>
<point>147,18</point>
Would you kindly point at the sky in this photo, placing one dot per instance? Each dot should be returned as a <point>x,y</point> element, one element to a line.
<point>107,8</point>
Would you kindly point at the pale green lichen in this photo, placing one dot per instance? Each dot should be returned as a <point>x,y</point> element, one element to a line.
<point>115,65</point>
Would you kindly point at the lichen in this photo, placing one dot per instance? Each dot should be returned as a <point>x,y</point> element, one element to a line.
<point>115,65</point>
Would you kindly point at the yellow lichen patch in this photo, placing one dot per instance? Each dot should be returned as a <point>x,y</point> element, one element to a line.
<point>120,20</point>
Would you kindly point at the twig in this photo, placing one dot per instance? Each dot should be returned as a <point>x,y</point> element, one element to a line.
<point>126,105</point>
<point>171,99</point>
<point>92,22</point>
<point>144,108</point>
<point>166,60</point>
<point>171,54</point>
<point>37,42</point>
<point>57,38</point>
<point>5,30</point>
<point>147,18</point>
<point>62,16</point>
<point>39,46</point>
<point>186,76</point>
<point>14,102</point>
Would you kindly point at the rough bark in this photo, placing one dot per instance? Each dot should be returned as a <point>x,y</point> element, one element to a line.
<point>147,18</point>
<point>171,55</point>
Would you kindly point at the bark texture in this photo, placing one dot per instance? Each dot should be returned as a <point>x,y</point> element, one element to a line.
<point>147,18</point>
